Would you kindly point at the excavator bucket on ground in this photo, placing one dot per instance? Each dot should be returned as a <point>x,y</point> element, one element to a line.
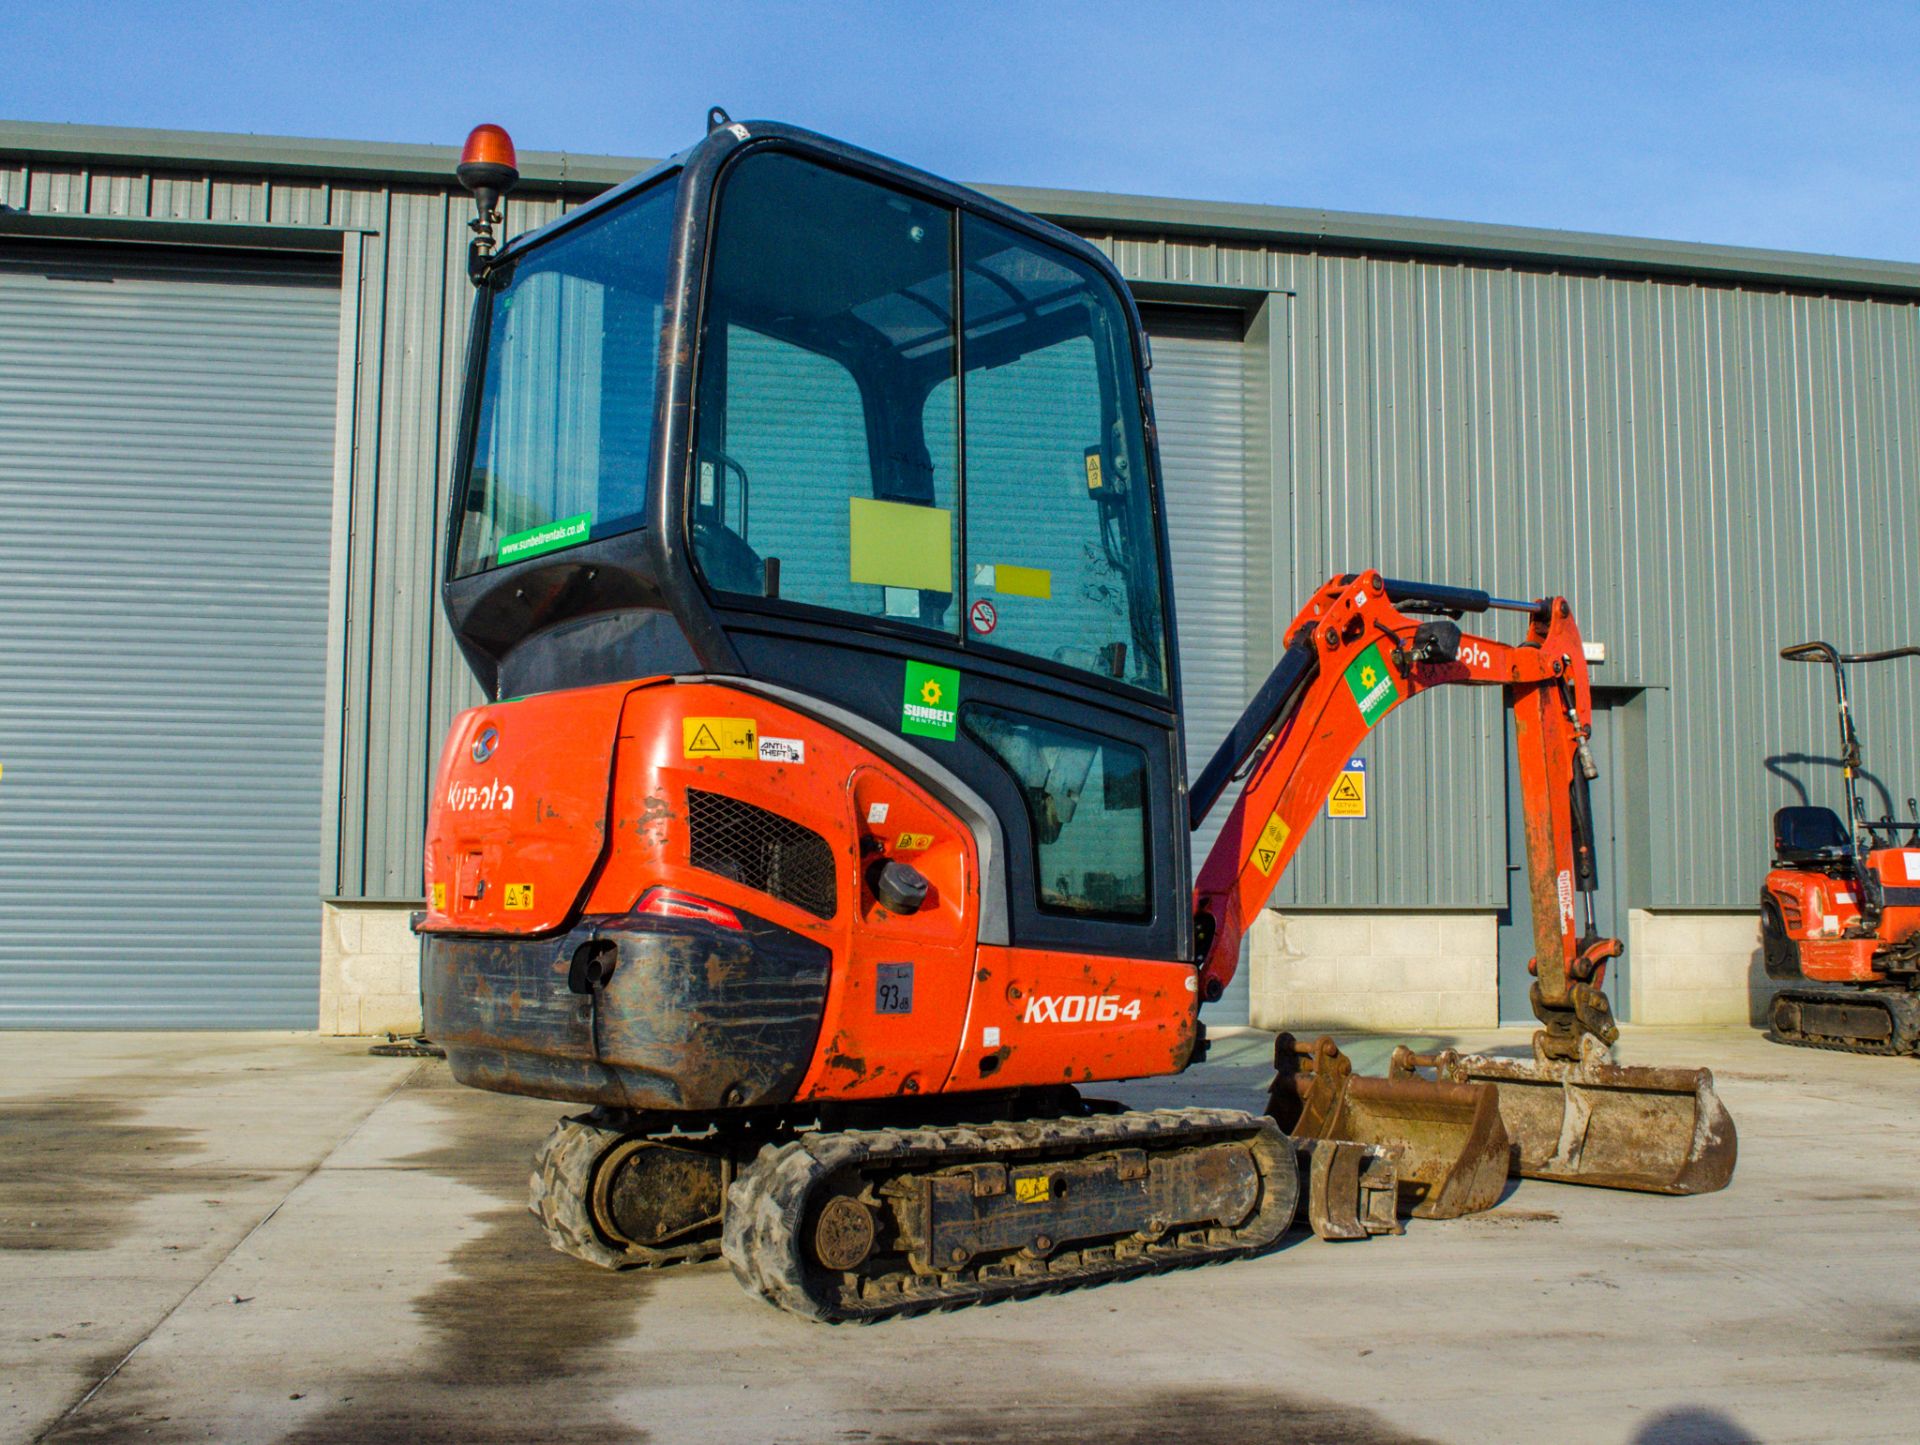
<point>1449,1149</point>
<point>1592,1121</point>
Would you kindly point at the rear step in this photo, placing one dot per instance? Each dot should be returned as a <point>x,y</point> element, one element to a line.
<point>1858,1020</point>
<point>1618,1126</point>
<point>1445,1139</point>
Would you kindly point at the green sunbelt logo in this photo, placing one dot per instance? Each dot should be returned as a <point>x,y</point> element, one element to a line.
<point>547,537</point>
<point>931,702</point>
<point>1373,686</point>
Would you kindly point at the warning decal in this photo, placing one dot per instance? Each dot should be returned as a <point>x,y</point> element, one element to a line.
<point>1348,798</point>
<point>518,897</point>
<point>719,737</point>
<point>1273,837</point>
<point>1034,1189</point>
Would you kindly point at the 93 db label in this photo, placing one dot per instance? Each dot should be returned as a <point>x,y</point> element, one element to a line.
<point>893,989</point>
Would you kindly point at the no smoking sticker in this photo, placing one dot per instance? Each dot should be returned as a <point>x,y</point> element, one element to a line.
<point>983,617</point>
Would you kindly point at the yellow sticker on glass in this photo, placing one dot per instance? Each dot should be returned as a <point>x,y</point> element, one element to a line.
<point>899,544</point>
<point>1022,581</point>
<point>518,897</point>
<point>1273,837</point>
<point>719,737</point>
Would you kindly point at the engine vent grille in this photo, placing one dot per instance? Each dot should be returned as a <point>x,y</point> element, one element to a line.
<point>762,850</point>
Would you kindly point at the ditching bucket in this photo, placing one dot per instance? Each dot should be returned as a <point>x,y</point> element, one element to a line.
<point>1445,1137</point>
<point>1592,1121</point>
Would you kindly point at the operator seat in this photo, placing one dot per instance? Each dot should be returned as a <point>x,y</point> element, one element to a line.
<point>1810,837</point>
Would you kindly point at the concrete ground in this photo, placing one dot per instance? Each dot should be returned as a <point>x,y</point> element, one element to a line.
<point>277,1237</point>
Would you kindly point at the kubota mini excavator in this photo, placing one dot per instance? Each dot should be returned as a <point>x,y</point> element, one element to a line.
<point>827,832</point>
<point>1842,904</point>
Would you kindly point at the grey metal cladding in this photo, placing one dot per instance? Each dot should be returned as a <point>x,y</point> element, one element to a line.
<point>1706,460</point>
<point>1707,471</point>
<point>166,478</point>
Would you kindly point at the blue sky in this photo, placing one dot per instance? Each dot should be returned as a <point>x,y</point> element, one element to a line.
<point>1793,126</point>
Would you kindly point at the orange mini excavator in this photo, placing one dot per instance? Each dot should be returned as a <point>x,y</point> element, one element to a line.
<point>1841,907</point>
<point>827,832</point>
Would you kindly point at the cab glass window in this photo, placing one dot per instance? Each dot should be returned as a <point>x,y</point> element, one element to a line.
<point>564,422</point>
<point>1062,555</point>
<point>828,325</point>
<point>1086,800</point>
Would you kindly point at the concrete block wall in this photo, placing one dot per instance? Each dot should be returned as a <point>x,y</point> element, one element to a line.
<point>1423,970</point>
<point>1307,970</point>
<point>369,969</point>
<point>1696,968</point>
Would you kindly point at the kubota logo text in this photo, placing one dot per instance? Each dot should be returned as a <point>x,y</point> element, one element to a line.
<point>1077,1008</point>
<point>470,798</point>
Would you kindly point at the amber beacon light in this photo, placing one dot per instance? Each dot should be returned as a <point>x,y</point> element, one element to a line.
<point>488,168</point>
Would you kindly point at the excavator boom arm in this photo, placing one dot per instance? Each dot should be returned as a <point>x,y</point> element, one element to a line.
<point>1354,656</point>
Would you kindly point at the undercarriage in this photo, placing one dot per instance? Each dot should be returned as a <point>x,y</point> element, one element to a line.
<point>1860,1020</point>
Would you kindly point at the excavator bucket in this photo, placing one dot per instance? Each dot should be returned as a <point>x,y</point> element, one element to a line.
<point>1449,1148</point>
<point>1592,1121</point>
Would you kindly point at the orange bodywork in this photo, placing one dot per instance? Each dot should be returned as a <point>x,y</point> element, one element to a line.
<point>1821,914</point>
<point>580,806</point>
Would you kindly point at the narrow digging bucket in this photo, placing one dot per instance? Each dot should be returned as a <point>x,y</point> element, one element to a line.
<point>1449,1148</point>
<point>1592,1121</point>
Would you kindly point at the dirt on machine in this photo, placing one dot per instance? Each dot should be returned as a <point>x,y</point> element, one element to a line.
<point>1840,910</point>
<point>824,842</point>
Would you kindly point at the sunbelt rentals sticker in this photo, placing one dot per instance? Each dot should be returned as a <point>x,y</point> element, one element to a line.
<point>548,537</point>
<point>1373,686</point>
<point>930,706</point>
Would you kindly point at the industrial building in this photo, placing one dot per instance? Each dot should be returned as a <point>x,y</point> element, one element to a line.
<point>229,375</point>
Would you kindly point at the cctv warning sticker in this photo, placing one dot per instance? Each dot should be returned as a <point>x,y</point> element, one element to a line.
<point>719,737</point>
<point>1348,797</point>
<point>1373,686</point>
<point>1273,838</point>
<point>517,897</point>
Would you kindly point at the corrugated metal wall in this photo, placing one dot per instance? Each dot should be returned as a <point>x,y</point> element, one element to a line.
<point>166,441</point>
<point>1708,471</point>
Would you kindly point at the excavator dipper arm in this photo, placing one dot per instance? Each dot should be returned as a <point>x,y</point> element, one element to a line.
<point>1354,654</point>
<point>1362,646</point>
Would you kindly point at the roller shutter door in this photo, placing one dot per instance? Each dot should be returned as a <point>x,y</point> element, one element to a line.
<point>166,464</point>
<point>1200,397</point>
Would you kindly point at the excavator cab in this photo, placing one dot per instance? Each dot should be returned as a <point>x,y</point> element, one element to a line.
<point>790,414</point>
<point>828,797</point>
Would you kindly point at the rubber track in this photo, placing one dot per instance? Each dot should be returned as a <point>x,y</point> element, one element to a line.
<point>771,1202</point>
<point>1906,1012</point>
<point>557,1195</point>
